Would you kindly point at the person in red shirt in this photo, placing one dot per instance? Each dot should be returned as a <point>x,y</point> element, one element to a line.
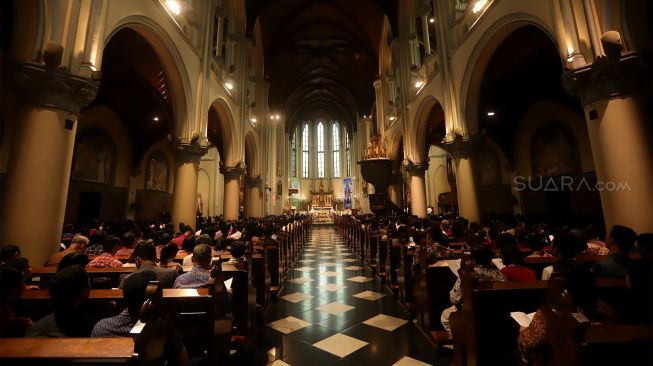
<point>106,259</point>
<point>513,261</point>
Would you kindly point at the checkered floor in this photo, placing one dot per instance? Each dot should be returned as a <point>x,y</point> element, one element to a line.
<point>332,311</point>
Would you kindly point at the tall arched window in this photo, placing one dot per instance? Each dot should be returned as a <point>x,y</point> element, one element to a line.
<point>320,150</point>
<point>336,151</point>
<point>348,153</point>
<point>293,155</point>
<point>305,151</point>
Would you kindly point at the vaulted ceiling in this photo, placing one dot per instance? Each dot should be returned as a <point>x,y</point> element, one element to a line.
<point>321,56</point>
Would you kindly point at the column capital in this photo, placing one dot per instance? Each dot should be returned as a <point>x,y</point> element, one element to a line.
<point>415,168</point>
<point>189,153</point>
<point>463,147</point>
<point>253,181</point>
<point>52,87</point>
<point>607,78</point>
<point>232,172</point>
<point>377,83</point>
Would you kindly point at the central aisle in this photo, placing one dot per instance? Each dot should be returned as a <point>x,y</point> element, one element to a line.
<point>332,311</point>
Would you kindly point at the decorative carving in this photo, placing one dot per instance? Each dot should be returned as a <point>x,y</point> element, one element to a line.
<point>415,169</point>
<point>233,172</point>
<point>463,147</point>
<point>607,78</point>
<point>253,181</point>
<point>190,153</point>
<point>375,149</point>
<point>52,87</point>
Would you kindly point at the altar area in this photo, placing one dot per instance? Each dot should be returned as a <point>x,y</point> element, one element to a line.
<point>322,206</point>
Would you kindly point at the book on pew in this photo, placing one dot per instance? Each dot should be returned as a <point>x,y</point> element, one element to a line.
<point>498,262</point>
<point>453,264</point>
<point>521,318</point>
<point>525,320</point>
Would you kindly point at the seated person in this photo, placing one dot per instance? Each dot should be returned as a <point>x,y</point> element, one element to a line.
<point>620,241</point>
<point>72,259</point>
<point>9,253</point>
<point>566,245</point>
<point>636,307</point>
<point>146,261</point>
<point>482,256</point>
<point>437,245</point>
<point>199,275</point>
<point>237,250</point>
<point>594,245</point>
<point>537,242</point>
<point>168,255</point>
<point>11,288</point>
<point>190,243</point>
<point>77,244</point>
<point>133,292</point>
<point>106,259</point>
<point>69,290</point>
<point>128,242</point>
<point>95,241</point>
<point>581,286</point>
<point>513,261</point>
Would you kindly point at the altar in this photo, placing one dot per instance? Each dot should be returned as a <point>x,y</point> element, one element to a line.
<point>322,206</point>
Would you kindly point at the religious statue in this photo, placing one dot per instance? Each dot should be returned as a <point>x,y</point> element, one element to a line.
<point>375,149</point>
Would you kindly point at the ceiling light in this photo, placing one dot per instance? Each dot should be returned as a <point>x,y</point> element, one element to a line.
<point>480,4</point>
<point>155,119</point>
<point>174,6</point>
<point>490,114</point>
<point>253,119</point>
<point>419,83</point>
<point>229,85</point>
<point>432,20</point>
<point>392,118</point>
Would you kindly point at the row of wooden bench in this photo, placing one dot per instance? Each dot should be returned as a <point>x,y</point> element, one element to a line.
<point>192,311</point>
<point>426,294</point>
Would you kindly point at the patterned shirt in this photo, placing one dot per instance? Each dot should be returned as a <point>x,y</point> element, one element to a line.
<point>197,277</point>
<point>484,274</point>
<point>116,326</point>
<point>95,249</point>
<point>104,260</point>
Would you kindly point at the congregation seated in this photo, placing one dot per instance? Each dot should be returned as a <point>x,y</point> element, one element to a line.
<point>72,259</point>
<point>95,241</point>
<point>537,243</point>
<point>513,261</point>
<point>481,257</point>
<point>77,244</point>
<point>199,275</point>
<point>580,285</point>
<point>69,290</point>
<point>567,245</point>
<point>620,241</point>
<point>128,241</point>
<point>12,285</point>
<point>146,262</point>
<point>106,257</point>
<point>186,246</point>
<point>167,256</point>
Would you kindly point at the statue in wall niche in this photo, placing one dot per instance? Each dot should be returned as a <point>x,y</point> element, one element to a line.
<point>279,189</point>
<point>199,210</point>
<point>94,159</point>
<point>553,152</point>
<point>157,174</point>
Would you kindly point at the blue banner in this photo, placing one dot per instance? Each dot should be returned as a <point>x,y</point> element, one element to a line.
<point>347,188</point>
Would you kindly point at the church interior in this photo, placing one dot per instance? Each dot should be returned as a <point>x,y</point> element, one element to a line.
<point>326,182</point>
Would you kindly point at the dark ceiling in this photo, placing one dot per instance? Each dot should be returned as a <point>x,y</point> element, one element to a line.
<point>321,56</point>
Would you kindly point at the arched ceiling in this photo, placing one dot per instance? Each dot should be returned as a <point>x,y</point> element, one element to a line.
<point>321,55</point>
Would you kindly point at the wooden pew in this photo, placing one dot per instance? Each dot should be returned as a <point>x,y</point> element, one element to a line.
<point>58,351</point>
<point>483,331</point>
<point>41,275</point>
<point>574,344</point>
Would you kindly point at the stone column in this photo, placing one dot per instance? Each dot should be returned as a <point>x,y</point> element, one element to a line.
<point>231,190</point>
<point>184,200</point>
<point>40,162</point>
<point>417,186</point>
<point>611,91</point>
<point>253,196</point>
<point>464,154</point>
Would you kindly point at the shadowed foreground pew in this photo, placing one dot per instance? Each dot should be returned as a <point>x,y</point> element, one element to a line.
<point>57,351</point>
